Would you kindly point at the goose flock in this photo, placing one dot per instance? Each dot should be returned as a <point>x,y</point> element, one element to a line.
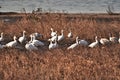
<point>34,43</point>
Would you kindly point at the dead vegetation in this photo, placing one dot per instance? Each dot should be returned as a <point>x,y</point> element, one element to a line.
<point>101,63</point>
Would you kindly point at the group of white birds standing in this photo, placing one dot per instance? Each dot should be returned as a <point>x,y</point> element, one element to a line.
<point>34,43</point>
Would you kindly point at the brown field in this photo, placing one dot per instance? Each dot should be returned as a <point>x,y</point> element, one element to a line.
<point>81,63</point>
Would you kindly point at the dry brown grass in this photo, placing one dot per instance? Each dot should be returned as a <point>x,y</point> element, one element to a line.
<point>100,63</point>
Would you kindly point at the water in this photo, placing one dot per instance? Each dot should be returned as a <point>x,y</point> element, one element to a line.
<point>71,6</point>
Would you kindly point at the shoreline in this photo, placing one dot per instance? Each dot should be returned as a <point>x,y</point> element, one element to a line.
<point>14,16</point>
<point>12,13</point>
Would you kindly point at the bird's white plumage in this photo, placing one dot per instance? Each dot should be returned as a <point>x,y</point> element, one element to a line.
<point>94,44</point>
<point>70,35</point>
<point>119,38</point>
<point>74,45</point>
<point>53,33</point>
<point>53,45</point>
<point>22,38</point>
<point>53,38</point>
<point>30,47</point>
<point>12,43</point>
<point>37,42</point>
<point>61,37</point>
<point>113,39</point>
<point>1,38</point>
<point>31,39</point>
<point>104,41</point>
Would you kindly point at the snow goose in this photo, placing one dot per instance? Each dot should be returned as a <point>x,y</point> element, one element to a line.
<point>119,38</point>
<point>53,45</point>
<point>94,44</point>
<point>12,43</point>
<point>70,35</point>
<point>30,46</point>
<point>53,38</point>
<point>31,39</point>
<point>113,39</point>
<point>1,38</point>
<point>22,39</point>
<point>74,45</point>
<point>104,41</point>
<point>61,37</point>
<point>53,33</point>
<point>37,42</point>
<point>83,42</point>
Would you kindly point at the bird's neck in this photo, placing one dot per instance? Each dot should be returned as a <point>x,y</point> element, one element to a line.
<point>96,40</point>
<point>23,34</point>
<point>15,39</point>
<point>31,39</point>
<point>51,42</point>
<point>34,38</point>
<point>77,41</point>
<point>1,35</point>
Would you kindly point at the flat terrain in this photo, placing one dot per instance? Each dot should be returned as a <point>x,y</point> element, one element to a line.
<point>81,63</point>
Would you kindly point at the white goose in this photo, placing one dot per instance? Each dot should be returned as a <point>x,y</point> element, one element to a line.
<point>31,39</point>
<point>53,38</point>
<point>70,35</point>
<point>113,39</point>
<point>104,41</point>
<point>61,37</point>
<point>30,46</point>
<point>119,38</point>
<point>53,33</point>
<point>12,43</point>
<point>94,44</point>
<point>83,42</point>
<point>37,42</point>
<point>1,38</point>
<point>74,45</point>
<point>22,39</point>
<point>53,45</point>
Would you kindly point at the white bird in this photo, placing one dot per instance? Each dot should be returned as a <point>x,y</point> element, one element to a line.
<point>70,35</point>
<point>94,44</point>
<point>119,38</point>
<point>22,39</point>
<point>12,43</point>
<point>30,47</point>
<point>53,45</point>
<point>31,39</point>
<point>83,42</point>
<point>61,37</point>
<point>104,41</point>
<point>1,38</point>
<point>37,42</point>
<point>53,38</point>
<point>53,33</point>
<point>113,39</point>
<point>74,45</point>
